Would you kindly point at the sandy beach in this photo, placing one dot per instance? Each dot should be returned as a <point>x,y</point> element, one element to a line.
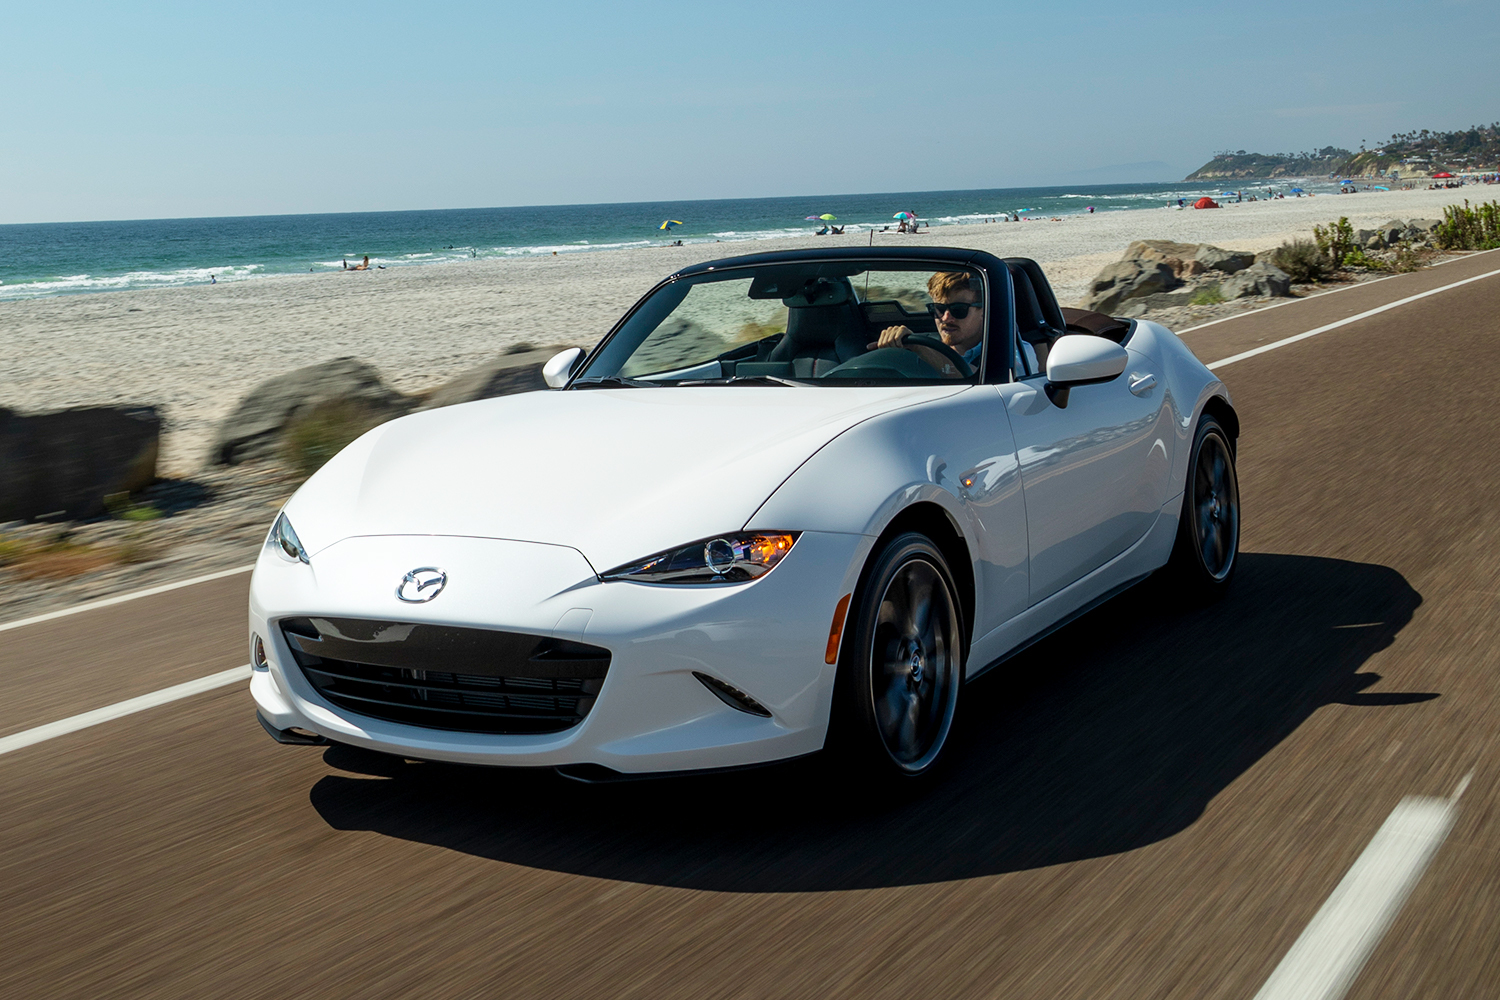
<point>196,351</point>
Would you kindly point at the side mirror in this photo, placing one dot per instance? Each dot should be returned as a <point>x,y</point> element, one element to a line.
<point>1081,359</point>
<point>559,368</point>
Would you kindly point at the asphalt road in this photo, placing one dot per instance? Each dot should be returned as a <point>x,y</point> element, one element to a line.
<point>1151,803</point>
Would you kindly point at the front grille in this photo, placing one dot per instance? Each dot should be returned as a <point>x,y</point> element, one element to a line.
<point>469,680</point>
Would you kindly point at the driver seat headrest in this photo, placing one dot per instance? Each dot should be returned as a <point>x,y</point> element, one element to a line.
<point>818,292</point>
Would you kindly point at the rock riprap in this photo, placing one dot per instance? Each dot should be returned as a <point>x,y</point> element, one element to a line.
<point>1260,278</point>
<point>255,427</point>
<point>1225,261</point>
<point>1127,279</point>
<point>1415,233</point>
<point>63,464</point>
<point>1162,273</point>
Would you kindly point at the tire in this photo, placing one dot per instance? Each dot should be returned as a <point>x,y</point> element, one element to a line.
<point>901,666</point>
<point>1206,552</point>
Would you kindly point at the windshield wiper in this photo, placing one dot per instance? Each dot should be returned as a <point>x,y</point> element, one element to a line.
<point>761,380</point>
<point>738,380</point>
<point>613,382</point>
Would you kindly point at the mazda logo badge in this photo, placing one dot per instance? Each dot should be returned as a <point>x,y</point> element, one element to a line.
<point>422,585</point>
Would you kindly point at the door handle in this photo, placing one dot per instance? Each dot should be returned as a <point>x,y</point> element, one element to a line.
<point>1142,384</point>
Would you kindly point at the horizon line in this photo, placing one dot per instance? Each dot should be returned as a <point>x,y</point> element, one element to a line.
<point>592,204</point>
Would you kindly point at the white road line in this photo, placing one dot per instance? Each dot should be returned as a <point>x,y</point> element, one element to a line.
<point>72,724</point>
<point>1352,319</point>
<point>1322,963</point>
<point>121,599</point>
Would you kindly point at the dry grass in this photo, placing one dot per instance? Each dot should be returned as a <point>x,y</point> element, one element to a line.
<point>62,558</point>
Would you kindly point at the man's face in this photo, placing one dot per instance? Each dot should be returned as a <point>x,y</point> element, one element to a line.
<point>960,334</point>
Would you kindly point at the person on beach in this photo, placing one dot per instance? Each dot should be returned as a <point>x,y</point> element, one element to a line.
<point>958,308</point>
<point>365,266</point>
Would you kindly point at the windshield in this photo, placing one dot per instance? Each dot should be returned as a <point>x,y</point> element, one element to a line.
<point>835,323</point>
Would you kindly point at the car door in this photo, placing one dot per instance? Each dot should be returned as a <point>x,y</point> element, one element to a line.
<point>1094,473</point>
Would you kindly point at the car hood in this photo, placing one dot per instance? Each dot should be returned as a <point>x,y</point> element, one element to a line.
<point>616,473</point>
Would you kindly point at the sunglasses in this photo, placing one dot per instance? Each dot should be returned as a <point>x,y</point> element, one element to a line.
<point>960,310</point>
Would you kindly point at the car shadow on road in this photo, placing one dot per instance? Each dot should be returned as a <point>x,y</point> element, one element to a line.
<point>1113,733</point>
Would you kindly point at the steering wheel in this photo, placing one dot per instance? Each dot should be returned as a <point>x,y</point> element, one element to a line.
<point>923,340</point>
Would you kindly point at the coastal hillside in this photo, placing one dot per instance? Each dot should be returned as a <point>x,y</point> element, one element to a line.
<point>1240,165</point>
<point>1410,153</point>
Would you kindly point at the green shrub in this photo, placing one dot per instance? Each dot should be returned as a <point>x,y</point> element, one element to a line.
<point>1357,258</point>
<point>315,436</point>
<point>1336,241</point>
<point>120,505</point>
<point>12,550</point>
<point>1303,261</point>
<point>1208,295</point>
<point>1407,260</point>
<point>1466,228</point>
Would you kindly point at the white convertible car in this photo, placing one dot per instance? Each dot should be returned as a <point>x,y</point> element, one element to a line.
<point>791,501</point>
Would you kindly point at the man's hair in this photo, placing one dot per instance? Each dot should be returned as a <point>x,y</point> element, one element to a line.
<point>944,283</point>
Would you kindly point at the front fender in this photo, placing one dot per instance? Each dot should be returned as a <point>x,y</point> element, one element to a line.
<point>957,453</point>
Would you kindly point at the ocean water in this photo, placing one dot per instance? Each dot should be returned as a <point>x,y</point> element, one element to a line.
<point>72,257</point>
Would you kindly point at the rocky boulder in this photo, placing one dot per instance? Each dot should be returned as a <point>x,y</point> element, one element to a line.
<point>1424,226</point>
<point>1392,232</point>
<point>65,463</point>
<point>1174,255</point>
<point>510,373</point>
<point>254,429</point>
<point>1127,279</point>
<point>1260,278</point>
<point>1225,261</point>
<point>1136,308</point>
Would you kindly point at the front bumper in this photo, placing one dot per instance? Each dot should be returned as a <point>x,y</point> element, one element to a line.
<point>766,638</point>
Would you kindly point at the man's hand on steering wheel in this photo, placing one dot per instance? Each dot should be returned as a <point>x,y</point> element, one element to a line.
<point>901,336</point>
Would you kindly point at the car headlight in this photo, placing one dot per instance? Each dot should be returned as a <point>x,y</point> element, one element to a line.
<point>285,541</point>
<point>722,559</point>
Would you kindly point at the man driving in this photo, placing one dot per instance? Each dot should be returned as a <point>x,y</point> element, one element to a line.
<point>957,307</point>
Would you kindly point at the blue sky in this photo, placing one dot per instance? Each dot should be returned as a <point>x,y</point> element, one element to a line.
<point>115,111</point>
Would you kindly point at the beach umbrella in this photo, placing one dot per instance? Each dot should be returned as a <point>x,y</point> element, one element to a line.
<point>829,218</point>
<point>670,223</point>
<point>903,215</point>
<point>1296,191</point>
<point>812,218</point>
<point>1441,173</point>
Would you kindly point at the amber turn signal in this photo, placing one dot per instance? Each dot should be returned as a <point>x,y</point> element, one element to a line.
<point>836,630</point>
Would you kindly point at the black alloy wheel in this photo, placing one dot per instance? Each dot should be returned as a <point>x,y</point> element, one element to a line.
<point>1208,533</point>
<point>902,666</point>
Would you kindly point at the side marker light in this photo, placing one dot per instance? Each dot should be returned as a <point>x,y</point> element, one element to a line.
<point>836,630</point>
